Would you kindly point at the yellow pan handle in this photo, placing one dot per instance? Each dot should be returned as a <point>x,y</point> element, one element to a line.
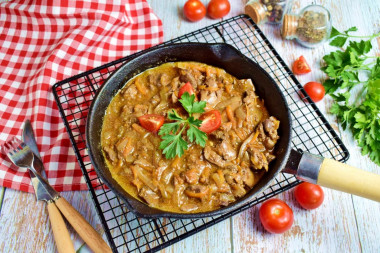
<point>82,227</point>
<point>343,177</point>
<point>61,234</point>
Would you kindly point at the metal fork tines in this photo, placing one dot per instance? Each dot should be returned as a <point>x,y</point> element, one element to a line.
<point>22,156</point>
<point>18,152</point>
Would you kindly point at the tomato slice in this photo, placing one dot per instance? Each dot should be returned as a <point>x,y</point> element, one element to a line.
<point>186,88</point>
<point>151,122</point>
<point>300,66</point>
<point>211,121</point>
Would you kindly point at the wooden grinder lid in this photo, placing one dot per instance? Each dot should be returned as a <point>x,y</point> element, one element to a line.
<point>256,11</point>
<point>289,26</point>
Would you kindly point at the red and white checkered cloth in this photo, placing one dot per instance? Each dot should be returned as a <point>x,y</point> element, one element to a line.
<point>43,42</point>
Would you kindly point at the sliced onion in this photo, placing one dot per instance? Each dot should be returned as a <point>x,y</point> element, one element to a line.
<point>129,158</point>
<point>234,102</point>
<point>243,146</point>
<point>241,113</point>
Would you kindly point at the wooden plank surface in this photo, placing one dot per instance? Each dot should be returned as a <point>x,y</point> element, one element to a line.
<point>25,225</point>
<point>343,224</point>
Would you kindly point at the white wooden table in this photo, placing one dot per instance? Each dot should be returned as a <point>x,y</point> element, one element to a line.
<point>344,223</point>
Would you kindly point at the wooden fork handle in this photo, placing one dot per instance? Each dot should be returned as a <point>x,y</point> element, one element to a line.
<point>61,234</point>
<point>82,227</point>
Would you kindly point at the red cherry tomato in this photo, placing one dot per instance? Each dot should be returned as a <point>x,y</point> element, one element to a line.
<point>300,66</point>
<point>186,88</point>
<point>194,10</point>
<point>309,196</point>
<point>218,8</point>
<point>151,122</point>
<point>211,121</point>
<point>276,216</point>
<point>315,90</point>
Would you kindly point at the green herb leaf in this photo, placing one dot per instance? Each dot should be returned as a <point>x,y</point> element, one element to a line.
<point>351,29</point>
<point>187,101</point>
<point>190,105</point>
<point>199,107</point>
<point>334,32</point>
<point>375,72</point>
<point>338,41</point>
<point>169,128</point>
<point>194,134</point>
<point>359,111</point>
<point>335,109</point>
<point>193,121</point>
<point>361,47</point>
<point>173,144</point>
<point>330,86</point>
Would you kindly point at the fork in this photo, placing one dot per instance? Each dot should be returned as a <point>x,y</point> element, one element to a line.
<point>22,156</point>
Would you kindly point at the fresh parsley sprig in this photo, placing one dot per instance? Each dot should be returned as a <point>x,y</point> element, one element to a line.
<point>338,39</point>
<point>352,68</point>
<point>173,143</point>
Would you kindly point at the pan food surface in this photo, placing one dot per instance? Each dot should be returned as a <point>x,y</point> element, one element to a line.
<point>234,158</point>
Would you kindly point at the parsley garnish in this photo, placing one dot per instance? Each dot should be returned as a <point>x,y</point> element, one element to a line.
<point>349,69</point>
<point>172,142</point>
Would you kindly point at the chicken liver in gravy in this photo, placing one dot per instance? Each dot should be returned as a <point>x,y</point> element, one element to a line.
<point>203,179</point>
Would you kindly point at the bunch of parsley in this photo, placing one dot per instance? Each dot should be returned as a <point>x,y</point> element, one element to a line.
<point>352,69</point>
<point>173,142</point>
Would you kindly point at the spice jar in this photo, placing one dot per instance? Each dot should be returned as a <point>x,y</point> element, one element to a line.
<point>311,27</point>
<point>270,11</point>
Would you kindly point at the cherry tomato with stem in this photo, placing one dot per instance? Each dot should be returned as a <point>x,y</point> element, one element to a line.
<point>211,121</point>
<point>276,216</point>
<point>151,122</point>
<point>186,88</point>
<point>300,66</point>
<point>308,195</point>
<point>194,10</point>
<point>218,8</point>
<point>315,90</point>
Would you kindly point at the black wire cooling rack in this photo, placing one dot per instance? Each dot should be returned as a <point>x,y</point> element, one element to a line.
<point>126,232</point>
